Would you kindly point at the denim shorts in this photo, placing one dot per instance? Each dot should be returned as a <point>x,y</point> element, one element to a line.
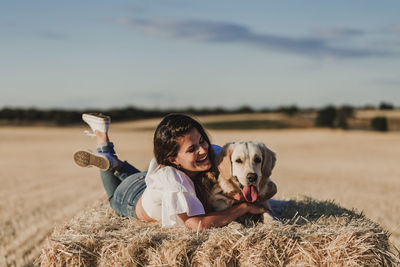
<point>127,194</point>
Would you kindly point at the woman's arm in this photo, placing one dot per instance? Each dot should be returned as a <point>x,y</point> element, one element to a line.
<point>220,218</point>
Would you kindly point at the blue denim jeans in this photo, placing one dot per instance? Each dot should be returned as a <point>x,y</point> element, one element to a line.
<point>123,187</point>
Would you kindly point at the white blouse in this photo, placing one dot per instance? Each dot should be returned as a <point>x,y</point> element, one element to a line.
<point>169,192</point>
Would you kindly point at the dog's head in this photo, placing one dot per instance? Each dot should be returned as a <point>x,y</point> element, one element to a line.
<point>245,167</point>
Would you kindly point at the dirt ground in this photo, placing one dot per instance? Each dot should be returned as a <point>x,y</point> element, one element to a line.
<point>41,187</point>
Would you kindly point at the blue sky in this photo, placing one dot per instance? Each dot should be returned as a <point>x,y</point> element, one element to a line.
<point>169,53</point>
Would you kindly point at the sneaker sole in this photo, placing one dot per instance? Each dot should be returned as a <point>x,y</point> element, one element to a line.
<point>87,158</point>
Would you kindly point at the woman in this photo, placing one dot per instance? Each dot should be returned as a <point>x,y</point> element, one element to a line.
<point>167,191</point>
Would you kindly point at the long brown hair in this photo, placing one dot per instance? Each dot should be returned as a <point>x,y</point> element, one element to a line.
<point>166,144</point>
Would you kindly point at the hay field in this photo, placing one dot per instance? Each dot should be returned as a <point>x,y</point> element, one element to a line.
<point>41,187</point>
<point>309,233</point>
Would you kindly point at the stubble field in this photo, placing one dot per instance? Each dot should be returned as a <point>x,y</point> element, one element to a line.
<point>41,187</point>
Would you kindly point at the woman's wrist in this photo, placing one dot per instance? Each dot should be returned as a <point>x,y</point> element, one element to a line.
<point>246,206</point>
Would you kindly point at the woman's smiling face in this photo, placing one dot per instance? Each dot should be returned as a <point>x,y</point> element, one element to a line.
<point>192,156</point>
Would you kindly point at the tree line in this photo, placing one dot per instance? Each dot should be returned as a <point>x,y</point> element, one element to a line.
<point>70,117</point>
<point>335,117</point>
<point>330,116</point>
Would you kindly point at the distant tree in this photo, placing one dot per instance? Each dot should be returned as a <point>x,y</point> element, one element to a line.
<point>266,110</point>
<point>341,121</point>
<point>386,106</point>
<point>326,117</point>
<point>342,115</point>
<point>289,110</point>
<point>7,113</point>
<point>347,111</point>
<point>219,110</point>
<point>379,124</point>
<point>245,109</point>
<point>368,107</point>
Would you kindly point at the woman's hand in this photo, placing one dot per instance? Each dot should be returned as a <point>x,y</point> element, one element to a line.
<point>255,209</point>
<point>220,218</point>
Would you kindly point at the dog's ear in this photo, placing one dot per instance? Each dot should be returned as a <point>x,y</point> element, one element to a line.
<point>269,160</point>
<point>224,162</point>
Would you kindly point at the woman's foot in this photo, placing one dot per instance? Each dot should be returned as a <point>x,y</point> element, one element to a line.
<point>98,122</point>
<point>88,158</point>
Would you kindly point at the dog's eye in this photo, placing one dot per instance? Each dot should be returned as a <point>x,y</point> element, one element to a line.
<point>257,160</point>
<point>239,161</point>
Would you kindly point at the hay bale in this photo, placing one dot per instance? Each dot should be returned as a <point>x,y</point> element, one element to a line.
<point>309,233</point>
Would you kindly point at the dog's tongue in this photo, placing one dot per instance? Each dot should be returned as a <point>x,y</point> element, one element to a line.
<point>250,193</point>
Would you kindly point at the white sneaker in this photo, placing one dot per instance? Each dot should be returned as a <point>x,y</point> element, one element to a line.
<point>88,158</point>
<point>96,122</point>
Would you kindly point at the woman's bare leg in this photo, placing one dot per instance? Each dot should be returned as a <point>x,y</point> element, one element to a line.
<point>101,137</point>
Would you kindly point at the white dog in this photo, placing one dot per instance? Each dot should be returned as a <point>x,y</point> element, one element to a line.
<point>244,169</point>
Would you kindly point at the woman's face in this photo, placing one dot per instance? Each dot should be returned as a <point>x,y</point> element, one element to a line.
<point>192,156</point>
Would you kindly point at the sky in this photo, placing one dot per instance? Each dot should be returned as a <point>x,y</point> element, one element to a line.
<point>202,54</point>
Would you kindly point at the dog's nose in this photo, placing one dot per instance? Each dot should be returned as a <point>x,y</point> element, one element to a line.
<point>251,177</point>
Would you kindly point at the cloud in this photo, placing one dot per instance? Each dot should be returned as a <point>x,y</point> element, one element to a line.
<point>393,29</point>
<point>339,33</point>
<point>50,35</point>
<point>135,9</point>
<point>222,32</point>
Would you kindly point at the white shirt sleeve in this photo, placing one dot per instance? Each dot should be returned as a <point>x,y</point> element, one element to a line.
<point>174,203</point>
<point>175,192</point>
<point>179,197</point>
